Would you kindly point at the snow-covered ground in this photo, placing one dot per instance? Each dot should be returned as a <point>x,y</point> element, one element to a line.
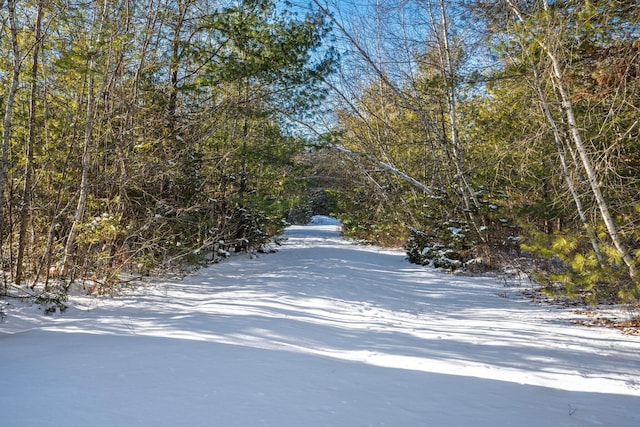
<point>322,333</point>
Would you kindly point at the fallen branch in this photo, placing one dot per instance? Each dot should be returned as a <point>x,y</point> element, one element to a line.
<point>384,166</point>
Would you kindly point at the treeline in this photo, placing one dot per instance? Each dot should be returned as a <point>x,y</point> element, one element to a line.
<point>493,132</point>
<point>143,133</point>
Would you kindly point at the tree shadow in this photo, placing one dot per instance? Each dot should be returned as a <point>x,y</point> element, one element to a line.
<point>324,301</point>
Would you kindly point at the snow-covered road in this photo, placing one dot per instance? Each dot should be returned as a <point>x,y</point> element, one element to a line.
<point>322,333</point>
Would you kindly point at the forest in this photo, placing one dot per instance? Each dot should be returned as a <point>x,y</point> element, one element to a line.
<point>140,135</point>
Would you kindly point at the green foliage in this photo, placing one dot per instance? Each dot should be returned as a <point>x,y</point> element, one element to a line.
<point>53,300</point>
<point>386,234</point>
<point>101,228</point>
<point>508,147</point>
<point>574,271</point>
<point>188,154</point>
<point>366,218</point>
<point>441,247</point>
<point>313,202</point>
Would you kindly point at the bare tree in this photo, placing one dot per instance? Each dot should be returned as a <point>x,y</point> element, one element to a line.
<point>450,77</point>
<point>397,65</point>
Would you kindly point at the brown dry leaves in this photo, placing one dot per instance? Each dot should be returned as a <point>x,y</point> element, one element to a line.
<point>628,327</point>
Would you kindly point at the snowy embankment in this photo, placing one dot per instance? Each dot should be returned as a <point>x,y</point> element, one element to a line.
<point>322,333</point>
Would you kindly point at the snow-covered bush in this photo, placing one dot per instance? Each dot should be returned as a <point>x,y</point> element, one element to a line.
<point>426,249</point>
<point>53,300</point>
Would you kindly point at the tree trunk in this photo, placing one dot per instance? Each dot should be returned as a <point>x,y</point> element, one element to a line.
<point>574,131</point>
<point>469,199</point>
<point>70,246</point>
<point>389,168</point>
<point>8,113</point>
<point>565,168</point>
<point>26,190</point>
<point>592,177</point>
<point>174,67</point>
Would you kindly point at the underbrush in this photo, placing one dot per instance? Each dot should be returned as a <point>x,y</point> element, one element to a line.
<point>568,268</point>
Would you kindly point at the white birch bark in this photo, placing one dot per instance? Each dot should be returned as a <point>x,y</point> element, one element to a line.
<point>468,195</point>
<point>544,105</point>
<point>389,168</point>
<point>574,130</point>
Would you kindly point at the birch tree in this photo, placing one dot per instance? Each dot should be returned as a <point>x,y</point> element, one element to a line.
<point>550,47</point>
<point>410,53</point>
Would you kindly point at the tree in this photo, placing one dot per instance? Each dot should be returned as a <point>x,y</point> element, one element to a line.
<point>157,132</point>
<point>9,108</point>
<point>561,52</point>
<point>405,116</point>
<point>31,140</point>
<point>574,131</point>
<point>94,47</point>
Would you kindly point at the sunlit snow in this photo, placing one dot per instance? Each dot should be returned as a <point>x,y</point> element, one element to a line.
<point>322,333</point>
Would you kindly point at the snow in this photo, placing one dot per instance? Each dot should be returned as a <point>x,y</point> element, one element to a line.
<point>324,332</point>
<point>324,220</point>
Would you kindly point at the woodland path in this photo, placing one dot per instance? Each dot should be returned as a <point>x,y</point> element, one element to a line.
<point>324,332</point>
